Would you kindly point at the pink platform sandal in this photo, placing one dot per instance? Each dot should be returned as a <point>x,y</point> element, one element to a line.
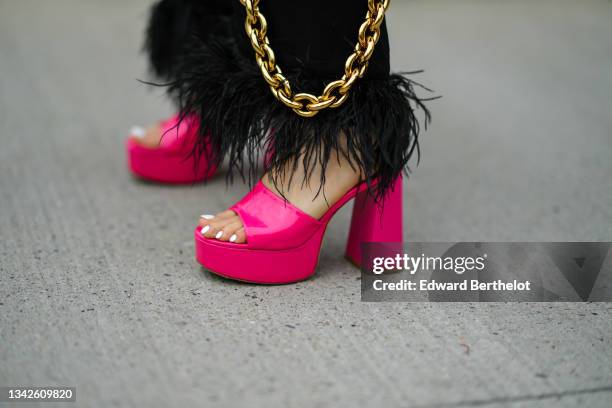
<point>171,162</point>
<point>283,242</point>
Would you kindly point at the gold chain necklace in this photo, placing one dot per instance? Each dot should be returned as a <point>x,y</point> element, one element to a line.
<point>336,92</point>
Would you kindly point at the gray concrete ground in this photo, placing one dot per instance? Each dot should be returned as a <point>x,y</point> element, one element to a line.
<point>99,289</point>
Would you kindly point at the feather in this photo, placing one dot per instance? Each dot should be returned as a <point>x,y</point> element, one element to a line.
<point>242,120</point>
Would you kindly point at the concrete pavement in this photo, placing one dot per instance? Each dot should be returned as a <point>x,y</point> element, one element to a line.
<point>99,289</point>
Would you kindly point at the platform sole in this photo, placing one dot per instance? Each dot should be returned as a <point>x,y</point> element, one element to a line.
<point>164,167</point>
<point>259,266</point>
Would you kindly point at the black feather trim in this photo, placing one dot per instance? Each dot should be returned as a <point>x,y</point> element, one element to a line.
<point>241,116</point>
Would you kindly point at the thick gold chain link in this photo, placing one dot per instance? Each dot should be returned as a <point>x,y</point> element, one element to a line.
<point>336,92</point>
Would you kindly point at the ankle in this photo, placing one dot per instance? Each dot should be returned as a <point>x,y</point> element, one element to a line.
<point>314,194</point>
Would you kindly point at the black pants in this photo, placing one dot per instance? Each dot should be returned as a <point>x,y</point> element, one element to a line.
<point>201,49</point>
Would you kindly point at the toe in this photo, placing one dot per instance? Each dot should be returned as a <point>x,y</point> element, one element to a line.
<point>137,132</point>
<point>239,237</point>
<point>215,227</point>
<point>149,137</point>
<point>210,230</point>
<point>229,230</point>
<point>204,230</point>
<point>205,219</point>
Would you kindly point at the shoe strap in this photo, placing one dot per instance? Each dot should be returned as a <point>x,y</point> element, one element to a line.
<point>272,223</point>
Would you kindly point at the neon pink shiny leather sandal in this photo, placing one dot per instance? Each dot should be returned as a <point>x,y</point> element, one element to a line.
<point>171,162</point>
<point>283,242</point>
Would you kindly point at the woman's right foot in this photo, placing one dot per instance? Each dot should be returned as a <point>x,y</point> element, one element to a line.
<point>283,237</point>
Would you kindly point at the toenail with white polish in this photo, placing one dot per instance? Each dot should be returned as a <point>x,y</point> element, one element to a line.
<point>137,131</point>
<point>205,229</point>
<point>207,216</point>
<point>233,238</point>
<point>219,234</point>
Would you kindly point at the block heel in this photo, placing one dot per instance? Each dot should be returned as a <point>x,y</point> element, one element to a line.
<point>375,222</point>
